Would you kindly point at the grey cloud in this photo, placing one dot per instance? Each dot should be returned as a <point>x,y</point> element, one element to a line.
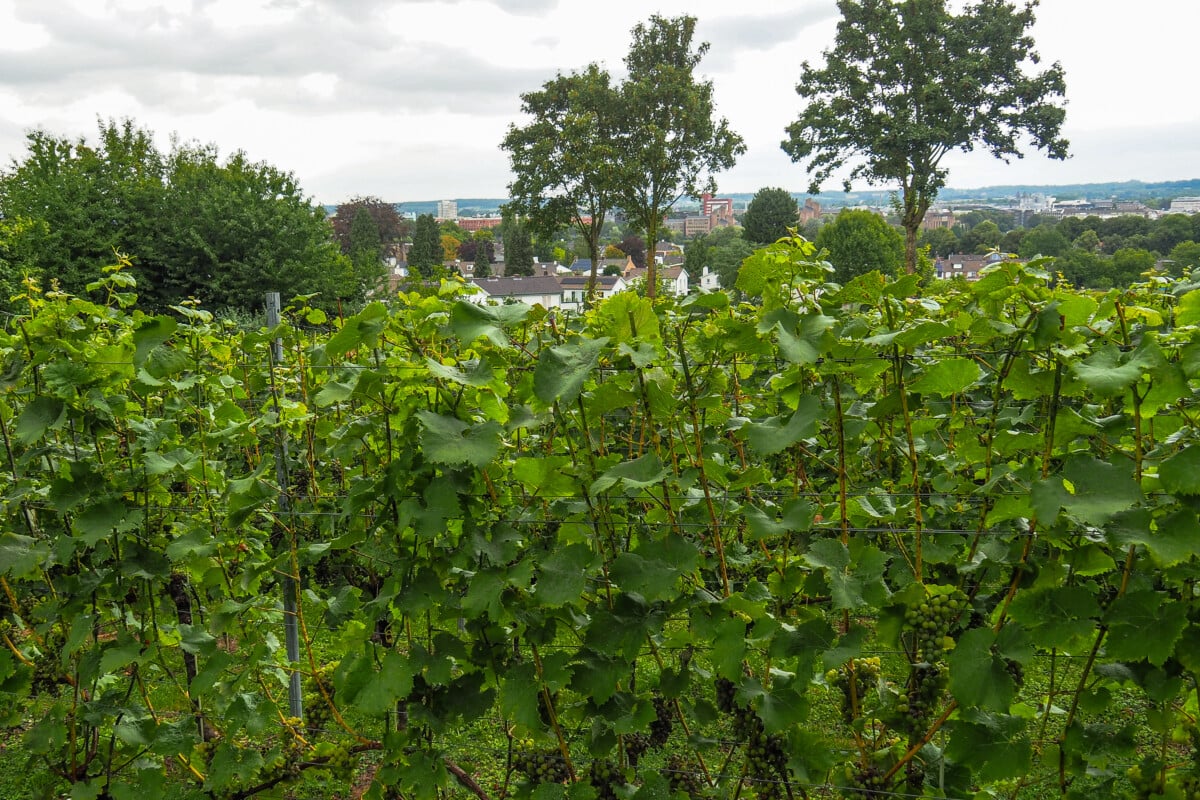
<point>186,63</point>
<point>517,7</point>
<point>733,35</point>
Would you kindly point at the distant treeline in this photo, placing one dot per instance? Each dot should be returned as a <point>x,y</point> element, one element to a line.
<point>1122,190</point>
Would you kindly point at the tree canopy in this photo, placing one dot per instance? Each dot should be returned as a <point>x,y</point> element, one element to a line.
<point>193,224</point>
<point>770,213</point>
<point>859,241</point>
<point>907,83</point>
<point>426,250</point>
<point>563,158</point>
<point>672,144</point>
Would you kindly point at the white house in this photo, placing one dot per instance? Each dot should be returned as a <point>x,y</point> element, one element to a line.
<point>536,290</point>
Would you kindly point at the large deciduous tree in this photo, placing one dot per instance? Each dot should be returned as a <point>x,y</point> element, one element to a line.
<point>193,224</point>
<point>671,143</point>
<point>392,227</point>
<point>859,241</point>
<point>563,158</point>
<point>907,82</point>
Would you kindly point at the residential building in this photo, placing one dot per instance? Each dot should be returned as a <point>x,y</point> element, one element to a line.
<point>574,288</point>
<point>674,278</point>
<point>938,218</point>
<point>962,265</point>
<point>709,280</point>
<point>447,210</point>
<point>536,290</point>
<point>478,223</point>
<point>1185,205</point>
<point>811,210</point>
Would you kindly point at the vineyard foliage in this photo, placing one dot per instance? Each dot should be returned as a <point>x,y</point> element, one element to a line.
<point>647,543</point>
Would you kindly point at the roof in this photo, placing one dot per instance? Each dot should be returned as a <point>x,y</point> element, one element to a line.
<point>519,286</point>
<point>581,281</point>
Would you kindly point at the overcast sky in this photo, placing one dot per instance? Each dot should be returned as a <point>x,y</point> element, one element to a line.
<point>409,99</point>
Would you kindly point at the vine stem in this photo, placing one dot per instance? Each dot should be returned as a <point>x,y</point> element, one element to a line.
<point>924,740</point>
<point>562,741</point>
<point>698,461</point>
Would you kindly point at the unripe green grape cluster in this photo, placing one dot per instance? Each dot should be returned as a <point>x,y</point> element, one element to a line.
<point>682,776</point>
<point>931,620</point>
<point>855,679</point>
<point>542,766</point>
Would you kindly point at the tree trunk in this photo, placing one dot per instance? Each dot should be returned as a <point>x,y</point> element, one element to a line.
<point>651,264</point>
<point>910,244</point>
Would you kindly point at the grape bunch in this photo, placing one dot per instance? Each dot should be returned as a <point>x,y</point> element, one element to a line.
<point>636,745</point>
<point>317,714</point>
<point>766,762</point>
<point>683,776</point>
<point>339,762</point>
<point>605,777</point>
<point>542,766</point>
<point>916,703</point>
<point>931,620</point>
<point>660,726</point>
<point>726,702</point>
<point>1147,780</point>
<point>865,782</point>
<point>856,678</point>
<point>1015,671</point>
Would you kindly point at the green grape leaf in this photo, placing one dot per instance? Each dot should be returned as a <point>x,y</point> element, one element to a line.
<point>636,474</point>
<point>773,435</point>
<point>562,576</point>
<point>448,440</point>
<point>389,684</point>
<point>1180,474</point>
<point>150,334</point>
<point>994,745</point>
<point>561,371</point>
<point>43,413</point>
<point>947,377</point>
<point>1142,626</point>
<point>978,678</point>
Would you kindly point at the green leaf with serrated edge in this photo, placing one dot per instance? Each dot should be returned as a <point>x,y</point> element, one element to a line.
<point>1059,617</point>
<point>1144,624</point>
<point>636,474</point>
<point>774,435</point>
<point>1174,540</point>
<point>629,318</point>
<point>852,586</point>
<point>390,683</point>
<point>42,414</point>
<point>1109,371</point>
<point>1098,489</point>
<point>448,440</point>
<point>598,675</point>
<point>562,576</point>
<point>561,371</point>
<point>1180,474</point>
<point>361,330</point>
<point>947,377</point>
<point>849,646</point>
<point>479,373</point>
<point>978,678</point>
<point>782,708</point>
<point>1187,311</point>
<point>149,334</point>
<point>996,746</point>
